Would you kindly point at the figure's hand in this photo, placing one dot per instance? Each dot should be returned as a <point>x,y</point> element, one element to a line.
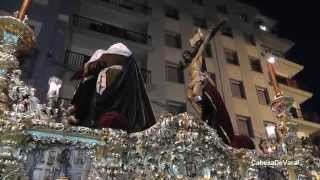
<point>196,86</point>
<point>70,120</point>
<point>71,109</point>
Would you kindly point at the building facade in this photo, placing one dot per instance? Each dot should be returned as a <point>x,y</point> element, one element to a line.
<point>158,32</point>
<point>48,19</point>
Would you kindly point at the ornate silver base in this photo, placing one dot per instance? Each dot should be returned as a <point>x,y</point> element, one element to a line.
<point>177,147</point>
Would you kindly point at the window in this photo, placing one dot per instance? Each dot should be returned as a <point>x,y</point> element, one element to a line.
<point>237,89</point>
<point>200,22</point>
<point>173,39</point>
<point>231,56</point>
<point>208,51</point>
<point>174,73</point>
<point>222,8</point>
<point>199,2</point>
<point>255,64</point>
<point>226,30</point>
<point>249,38</point>
<point>98,27</point>
<point>272,51</point>
<point>245,126</point>
<point>263,95</point>
<point>244,18</point>
<point>281,79</point>
<point>292,83</point>
<point>42,2</point>
<point>172,12</point>
<point>176,107</point>
<point>146,75</point>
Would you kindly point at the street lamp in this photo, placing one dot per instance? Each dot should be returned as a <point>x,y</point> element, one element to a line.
<point>271,61</point>
<point>285,128</point>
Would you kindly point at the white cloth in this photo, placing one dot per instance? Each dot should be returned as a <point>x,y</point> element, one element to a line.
<point>96,55</point>
<point>118,48</point>
<point>102,78</point>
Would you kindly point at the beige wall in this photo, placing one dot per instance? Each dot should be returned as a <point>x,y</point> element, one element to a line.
<point>161,90</point>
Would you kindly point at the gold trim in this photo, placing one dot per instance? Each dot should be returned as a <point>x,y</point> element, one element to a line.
<point>20,29</point>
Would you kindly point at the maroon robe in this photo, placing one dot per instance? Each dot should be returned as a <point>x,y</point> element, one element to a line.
<point>215,113</point>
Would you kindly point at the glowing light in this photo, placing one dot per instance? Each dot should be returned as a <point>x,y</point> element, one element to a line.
<point>272,59</point>
<point>54,87</point>
<point>263,27</point>
<point>271,131</point>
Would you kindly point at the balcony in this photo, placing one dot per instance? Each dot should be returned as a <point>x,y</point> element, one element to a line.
<point>103,28</point>
<point>287,68</point>
<point>130,5</point>
<point>305,127</point>
<point>299,95</point>
<point>75,61</point>
<point>292,88</point>
<point>146,75</point>
<point>290,82</point>
<point>272,40</point>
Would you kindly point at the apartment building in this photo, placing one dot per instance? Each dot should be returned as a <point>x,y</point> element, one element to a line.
<point>159,31</point>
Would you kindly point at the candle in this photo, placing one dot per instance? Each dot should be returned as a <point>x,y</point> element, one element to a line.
<point>54,87</point>
<point>23,9</point>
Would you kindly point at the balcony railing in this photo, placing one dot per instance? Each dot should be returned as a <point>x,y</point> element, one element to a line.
<point>146,75</point>
<point>97,26</point>
<point>76,60</point>
<point>130,5</point>
<point>290,83</point>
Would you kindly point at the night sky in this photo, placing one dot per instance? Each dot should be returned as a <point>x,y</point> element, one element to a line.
<point>297,21</point>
